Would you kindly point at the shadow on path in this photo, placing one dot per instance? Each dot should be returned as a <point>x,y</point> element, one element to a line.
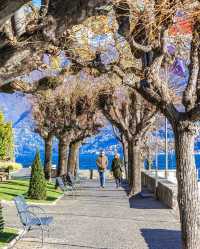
<point>138,202</point>
<point>162,238</point>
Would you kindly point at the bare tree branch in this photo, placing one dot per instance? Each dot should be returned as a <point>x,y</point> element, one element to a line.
<point>143,48</point>
<point>8,8</point>
<point>189,95</point>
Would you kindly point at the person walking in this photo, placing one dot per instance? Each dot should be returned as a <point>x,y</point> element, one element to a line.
<point>102,164</point>
<point>116,168</point>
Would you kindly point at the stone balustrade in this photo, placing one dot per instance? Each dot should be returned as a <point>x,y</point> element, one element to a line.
<point>149,182</point>
<point>164,190</point>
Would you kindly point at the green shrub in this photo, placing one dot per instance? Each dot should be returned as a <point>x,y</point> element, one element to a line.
<point>6,140</point>
<point>37,187</point>
<point>13,166</point>
<point>1,220</point>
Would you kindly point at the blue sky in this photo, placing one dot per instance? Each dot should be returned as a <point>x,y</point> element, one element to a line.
<point>37,2</point>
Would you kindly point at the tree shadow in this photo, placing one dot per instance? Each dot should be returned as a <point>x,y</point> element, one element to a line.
<point>25,184</point>
<point>162,238</point>
<point>6,237</point>
<point>10,188</point>
<point>125,186</point>
<point>51,198</point>
<point>139,202</point>
<point>12,194</point>
<point>48,199</point>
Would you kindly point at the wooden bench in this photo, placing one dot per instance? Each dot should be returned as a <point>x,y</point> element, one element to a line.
<point>4,174</point>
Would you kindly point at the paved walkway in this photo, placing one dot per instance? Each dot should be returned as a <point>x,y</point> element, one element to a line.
<point>104,219</point>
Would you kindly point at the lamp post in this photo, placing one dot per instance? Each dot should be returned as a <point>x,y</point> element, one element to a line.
<point>166,149</point>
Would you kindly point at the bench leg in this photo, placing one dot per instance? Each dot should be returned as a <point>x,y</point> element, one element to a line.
<point>21,235</point>
<point>42,229</point>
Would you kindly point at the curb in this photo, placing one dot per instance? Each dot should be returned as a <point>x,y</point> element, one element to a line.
<point>11,203</point>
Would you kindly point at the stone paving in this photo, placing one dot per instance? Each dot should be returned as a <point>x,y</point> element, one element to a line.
<point>104,219</point>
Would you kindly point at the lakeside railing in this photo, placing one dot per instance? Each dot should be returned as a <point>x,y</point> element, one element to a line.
<point>171,173</point>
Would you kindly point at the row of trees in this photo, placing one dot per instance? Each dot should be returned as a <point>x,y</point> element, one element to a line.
<point>70,114</point>
<point>146,34</point>
<point>75,110</point>
<point>145,31</point>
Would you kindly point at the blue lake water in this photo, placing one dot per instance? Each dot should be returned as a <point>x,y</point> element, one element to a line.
<point>88,161</point>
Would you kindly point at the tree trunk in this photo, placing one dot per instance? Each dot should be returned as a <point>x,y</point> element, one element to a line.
<point>48,157</point>
<point>125,155</point>
<point>78,160</point>
<point>72,158</point>
<point>135,166</point>
<point>62,157</point>
<point>188,195</point>
<point>130,159</point>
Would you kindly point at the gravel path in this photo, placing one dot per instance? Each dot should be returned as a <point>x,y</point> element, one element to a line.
<point>104,219</point>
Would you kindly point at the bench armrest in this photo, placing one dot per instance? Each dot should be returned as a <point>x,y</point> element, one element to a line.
<point>35,207</point>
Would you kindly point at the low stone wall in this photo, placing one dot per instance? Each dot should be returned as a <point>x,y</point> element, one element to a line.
<point>149,182</point>
<point>164,190</point>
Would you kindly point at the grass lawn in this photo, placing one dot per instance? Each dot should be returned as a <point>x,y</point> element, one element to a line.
<point>13,188</point>
<point>7,235</point>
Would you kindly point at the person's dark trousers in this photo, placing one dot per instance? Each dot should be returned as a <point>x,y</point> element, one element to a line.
<point>118,182</point>
<point>102,178</point>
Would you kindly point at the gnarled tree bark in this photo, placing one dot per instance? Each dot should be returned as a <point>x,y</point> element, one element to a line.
<point>48,157</point>
<point>62,156</point>
<point>72,157</point>
<point>134,166</point>
<point>125,155</point>
<point>188,194</point>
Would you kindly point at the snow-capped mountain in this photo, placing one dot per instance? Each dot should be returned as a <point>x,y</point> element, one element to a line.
<point>17,109</point>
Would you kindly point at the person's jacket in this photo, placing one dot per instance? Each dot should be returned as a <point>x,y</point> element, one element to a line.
<point>116,167</point>
<point>102,163</point>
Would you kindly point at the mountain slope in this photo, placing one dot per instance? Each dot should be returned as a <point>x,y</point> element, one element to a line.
<point>17,109</point>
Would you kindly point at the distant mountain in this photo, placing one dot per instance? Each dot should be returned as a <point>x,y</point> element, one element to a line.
<point>17,109</point>
<point>23,116</point>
